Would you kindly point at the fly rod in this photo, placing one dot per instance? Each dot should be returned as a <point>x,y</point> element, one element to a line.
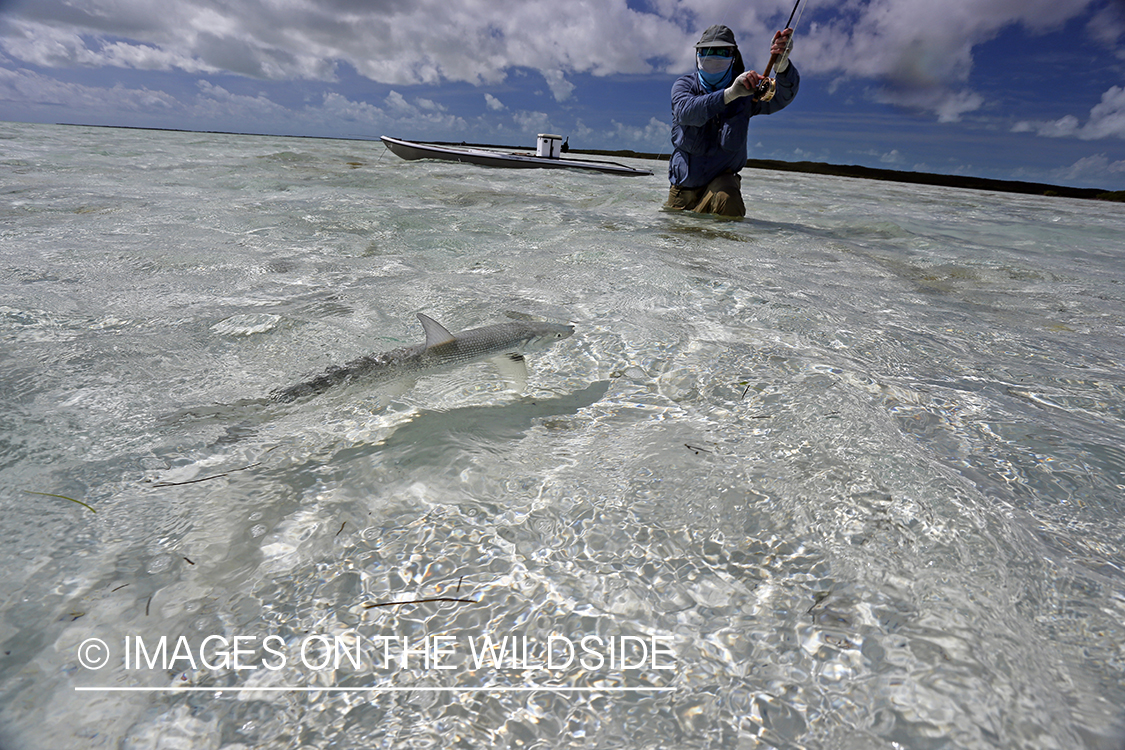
<point>767,87</point>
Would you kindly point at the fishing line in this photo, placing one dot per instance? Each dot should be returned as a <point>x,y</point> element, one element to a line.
<point>789,23</point>
<point>768,86</point>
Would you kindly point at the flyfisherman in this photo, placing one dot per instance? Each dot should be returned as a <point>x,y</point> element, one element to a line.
<point>711,111</point>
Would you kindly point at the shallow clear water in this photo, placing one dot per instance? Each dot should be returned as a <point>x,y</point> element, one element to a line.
<point>855,462</point>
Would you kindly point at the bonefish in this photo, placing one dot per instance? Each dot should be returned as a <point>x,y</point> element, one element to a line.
<point>442,351</point>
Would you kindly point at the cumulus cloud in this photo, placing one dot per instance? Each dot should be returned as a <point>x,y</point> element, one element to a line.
<point>560,87</point>
<point>1092,169</point>
<point>532,121</point>
<point>1063,127</point>
<point>922,51</point>
<point>416,115</point>
<point>427,41</point>
<point>1107,119</point>
<point>38,90</point>
<point>339,108</point>
<point>217,104</point>
<point>493,103</point>
<point>948,105</point>
<point>214,107</point>
<point>1108,25</point>
<point>654,132</point>
<point>919,53</point>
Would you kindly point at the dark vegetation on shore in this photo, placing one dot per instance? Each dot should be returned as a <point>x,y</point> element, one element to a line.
<point>917,178</point>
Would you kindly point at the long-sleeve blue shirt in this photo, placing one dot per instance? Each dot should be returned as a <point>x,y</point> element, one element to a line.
<point>709,137</point>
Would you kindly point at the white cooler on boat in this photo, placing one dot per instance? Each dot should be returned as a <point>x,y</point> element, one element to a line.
<point>549,146</point>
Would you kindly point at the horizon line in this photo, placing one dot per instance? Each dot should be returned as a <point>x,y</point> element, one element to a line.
<point>939,179</point>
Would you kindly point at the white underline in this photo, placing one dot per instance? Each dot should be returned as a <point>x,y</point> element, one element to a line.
<point>424,689</point>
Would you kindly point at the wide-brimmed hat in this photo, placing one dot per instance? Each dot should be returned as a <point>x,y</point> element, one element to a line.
<point>716,36</point>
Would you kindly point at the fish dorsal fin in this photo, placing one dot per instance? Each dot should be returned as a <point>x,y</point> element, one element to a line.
<point>436,334</point>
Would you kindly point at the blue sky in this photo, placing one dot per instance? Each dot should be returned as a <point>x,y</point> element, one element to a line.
<point>1009,89</point>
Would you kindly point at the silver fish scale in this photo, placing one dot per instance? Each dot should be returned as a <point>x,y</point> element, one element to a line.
<point>483,342</point>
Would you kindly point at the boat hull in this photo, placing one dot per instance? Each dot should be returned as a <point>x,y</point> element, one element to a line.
<point>411,150</point>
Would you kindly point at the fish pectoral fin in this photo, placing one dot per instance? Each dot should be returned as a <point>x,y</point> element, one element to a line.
<point>396,389</point>
<point>436,333</point>
<point>514,369</point>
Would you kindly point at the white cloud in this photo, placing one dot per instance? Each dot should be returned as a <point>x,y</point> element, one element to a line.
<point>428,105</point>
<point>538,122</point>
<point>493,103</point>
<point>340,108</point>
<point>1061,128</point>
<point>214,107</point>
<point>919,51</point>
<point>427,41</point>
<point>560,87</point>
<point>1092,169</point>
<point>946,104</point>
<point>653,136</point>
<point>1107,119</point>
<point>419,112</point>
<point>1108,25</point>
<point>922,50</point>
<point>47,47</point>
<point>580,131</point>
<point>396,102</point>
<point>38,90</point>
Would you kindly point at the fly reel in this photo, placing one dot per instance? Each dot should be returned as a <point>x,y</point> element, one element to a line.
<point>767,87</point>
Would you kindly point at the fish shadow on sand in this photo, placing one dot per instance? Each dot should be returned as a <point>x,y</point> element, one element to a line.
<point>431,431</point>
<point>430,435</point>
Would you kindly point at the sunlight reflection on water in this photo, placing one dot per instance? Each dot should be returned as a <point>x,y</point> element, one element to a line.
<point>857,459</point>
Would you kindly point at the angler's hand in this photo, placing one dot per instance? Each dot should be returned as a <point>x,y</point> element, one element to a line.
<point>782,46</point>
<point>782,42</point>
<point>744,85</point>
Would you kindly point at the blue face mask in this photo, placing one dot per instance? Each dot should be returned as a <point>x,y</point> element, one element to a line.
<point>714,71</point>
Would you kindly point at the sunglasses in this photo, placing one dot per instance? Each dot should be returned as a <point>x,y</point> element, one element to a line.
<point>716,52</point>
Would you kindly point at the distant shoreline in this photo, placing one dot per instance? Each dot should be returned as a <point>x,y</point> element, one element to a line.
<point>916,178</point>
<point>803,167</point>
